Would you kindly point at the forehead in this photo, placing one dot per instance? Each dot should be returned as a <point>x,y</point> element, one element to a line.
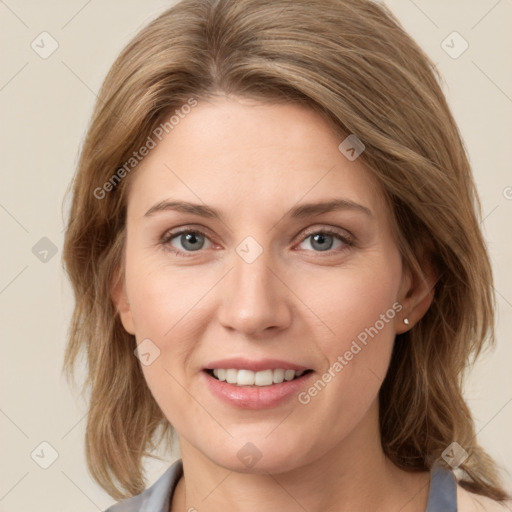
<point>251,155</point>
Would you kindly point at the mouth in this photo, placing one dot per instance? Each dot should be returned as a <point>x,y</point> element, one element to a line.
<point>262,378</point>
<point>255,383</point>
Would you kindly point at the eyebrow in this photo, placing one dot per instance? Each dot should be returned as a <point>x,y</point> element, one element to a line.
<point>297,212</point>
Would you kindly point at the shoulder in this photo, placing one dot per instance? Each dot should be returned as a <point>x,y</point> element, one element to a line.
<point>471,502</point>
<point>155,498</point>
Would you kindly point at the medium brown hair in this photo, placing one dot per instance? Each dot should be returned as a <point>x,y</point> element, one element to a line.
<point>352,62</point>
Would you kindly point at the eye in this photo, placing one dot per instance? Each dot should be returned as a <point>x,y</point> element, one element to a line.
<point>323,240</point>
<point>185,241</point>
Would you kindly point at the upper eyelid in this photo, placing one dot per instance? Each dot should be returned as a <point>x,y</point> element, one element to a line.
<point>171,234</point>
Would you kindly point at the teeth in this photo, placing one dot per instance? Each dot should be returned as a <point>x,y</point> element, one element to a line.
<point>289,374</point>
<point>250,378</point>
<point>263,378</point>
<point>231,376</point>
<point>245,378</point>
<point>278,376</point>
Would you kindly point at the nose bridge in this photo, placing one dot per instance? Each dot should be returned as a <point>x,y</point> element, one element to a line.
<point>255,299</point>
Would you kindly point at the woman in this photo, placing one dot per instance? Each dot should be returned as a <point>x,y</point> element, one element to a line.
<point>276,255</point>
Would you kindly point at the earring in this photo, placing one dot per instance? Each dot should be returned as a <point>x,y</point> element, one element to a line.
<point>406,321</point>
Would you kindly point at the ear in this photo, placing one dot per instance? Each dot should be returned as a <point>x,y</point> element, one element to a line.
<point>120,300</point>
<point>416,294</point>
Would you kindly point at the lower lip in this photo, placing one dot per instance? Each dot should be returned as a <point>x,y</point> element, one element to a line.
<point>256,397</point>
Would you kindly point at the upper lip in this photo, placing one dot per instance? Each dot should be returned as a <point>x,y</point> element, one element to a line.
<point>240,363</point>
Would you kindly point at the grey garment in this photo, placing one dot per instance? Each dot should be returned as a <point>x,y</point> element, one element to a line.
<point>156,498</point>
<point>442,495</point>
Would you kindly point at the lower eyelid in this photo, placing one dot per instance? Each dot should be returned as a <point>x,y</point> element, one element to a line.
<point>346,242</point>
<point>167,237</point>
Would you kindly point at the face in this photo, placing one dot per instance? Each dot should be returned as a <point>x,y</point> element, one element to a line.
<point>255,251</point>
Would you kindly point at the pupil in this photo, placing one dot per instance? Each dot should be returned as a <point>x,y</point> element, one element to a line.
<point>191,239</point>
<point>321,238</point>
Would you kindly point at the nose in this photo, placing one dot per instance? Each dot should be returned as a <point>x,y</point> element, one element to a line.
<point>255,298</point>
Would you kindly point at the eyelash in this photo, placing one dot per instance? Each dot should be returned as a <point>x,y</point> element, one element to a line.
<point>168,236</point>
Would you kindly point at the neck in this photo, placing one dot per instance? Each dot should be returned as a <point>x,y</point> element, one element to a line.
<point>354,476</point>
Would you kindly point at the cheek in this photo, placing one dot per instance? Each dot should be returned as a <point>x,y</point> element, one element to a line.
<point>163,301</point>
<point>360,310</point>
<point>357,299</point>
<point>169,308</point>
<point>166,311</point>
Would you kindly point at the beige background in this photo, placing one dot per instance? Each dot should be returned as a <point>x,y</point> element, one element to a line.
<point>45,106</point>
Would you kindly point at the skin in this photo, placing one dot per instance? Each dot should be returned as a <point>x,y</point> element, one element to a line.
<point>254,162</point>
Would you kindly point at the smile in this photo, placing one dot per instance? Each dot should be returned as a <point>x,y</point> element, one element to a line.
<point>245,377</point>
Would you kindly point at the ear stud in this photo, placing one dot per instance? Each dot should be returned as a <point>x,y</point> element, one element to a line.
<point>406,321</point>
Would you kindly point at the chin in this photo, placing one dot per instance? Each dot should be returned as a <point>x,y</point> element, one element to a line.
<point>258,457</point>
